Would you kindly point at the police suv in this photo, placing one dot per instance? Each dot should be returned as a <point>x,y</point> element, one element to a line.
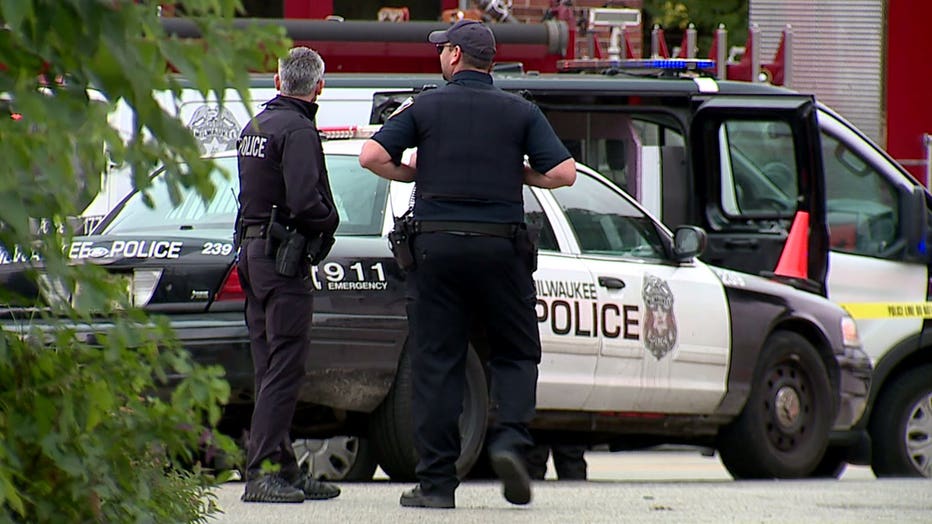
<point>642,343</point>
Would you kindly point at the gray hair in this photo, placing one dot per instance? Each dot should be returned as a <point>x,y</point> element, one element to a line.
<point>300,71</point>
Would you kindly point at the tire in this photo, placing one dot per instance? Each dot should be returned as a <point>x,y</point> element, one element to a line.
<point>349,459</point>
<point>901,426</point>
<point>392,430</point>
<point>783,430</point>
<point>832,465</point>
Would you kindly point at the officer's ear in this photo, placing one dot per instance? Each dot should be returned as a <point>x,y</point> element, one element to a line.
<point>456,54</point>
<point>278,82</point>
<point>320,86</point>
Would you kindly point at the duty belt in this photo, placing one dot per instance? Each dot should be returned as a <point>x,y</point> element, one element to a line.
<point>478,228</point>
<point>254,231</point>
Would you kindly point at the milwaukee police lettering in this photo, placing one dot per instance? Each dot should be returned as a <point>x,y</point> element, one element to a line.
<point>126,249</point>
<point>18,256</point>
<point>573,308</point>
<point>550,288</point>
<point>252,145</point>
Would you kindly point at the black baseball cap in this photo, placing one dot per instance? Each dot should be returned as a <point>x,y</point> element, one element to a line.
<point>473,37</point>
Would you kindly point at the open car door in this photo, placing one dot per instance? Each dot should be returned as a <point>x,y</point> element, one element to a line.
<point>758,170</point>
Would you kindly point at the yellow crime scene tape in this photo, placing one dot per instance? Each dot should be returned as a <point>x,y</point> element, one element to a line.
<point>888,309</point>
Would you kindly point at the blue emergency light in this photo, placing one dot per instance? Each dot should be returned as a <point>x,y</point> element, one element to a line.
<point>658,64</point>
<point>681,64</point>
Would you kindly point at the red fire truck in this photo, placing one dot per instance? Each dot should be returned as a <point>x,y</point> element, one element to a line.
<point>861,57</point>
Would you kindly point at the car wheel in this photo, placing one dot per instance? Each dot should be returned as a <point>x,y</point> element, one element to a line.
<point>832,465</point>
<point>783,430</point>
<point>392,431</point>
<point>336,458</point>
<point>901,426</point>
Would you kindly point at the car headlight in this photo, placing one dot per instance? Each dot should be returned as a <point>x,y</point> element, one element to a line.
<point>849,332</point>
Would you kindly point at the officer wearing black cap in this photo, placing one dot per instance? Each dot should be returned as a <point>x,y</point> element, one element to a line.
<point>473,256</point>
<point>285,207</point>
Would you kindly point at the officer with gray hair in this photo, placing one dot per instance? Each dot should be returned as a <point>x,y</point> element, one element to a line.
<point>285,201</point>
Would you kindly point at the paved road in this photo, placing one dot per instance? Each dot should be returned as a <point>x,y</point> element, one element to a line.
<point>668,486</point>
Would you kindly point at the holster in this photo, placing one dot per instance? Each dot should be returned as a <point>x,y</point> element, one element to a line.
<point>401,241</point>
<point>275,233</point>
<point>526,239</point>
<point>294,253</point>
<point>291,256</point>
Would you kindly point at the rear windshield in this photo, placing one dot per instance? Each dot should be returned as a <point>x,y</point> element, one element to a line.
<point>359,195</point>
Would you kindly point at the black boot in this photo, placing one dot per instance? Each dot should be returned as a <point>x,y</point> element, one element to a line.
<point>315,489</point>
<point>271,488</point>
<point>515,481</point>
<point>415,498</point>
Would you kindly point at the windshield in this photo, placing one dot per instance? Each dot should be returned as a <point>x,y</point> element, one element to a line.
<point>359,196</point>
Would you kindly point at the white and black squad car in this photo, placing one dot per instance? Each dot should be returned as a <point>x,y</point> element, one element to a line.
<point>643,343</point>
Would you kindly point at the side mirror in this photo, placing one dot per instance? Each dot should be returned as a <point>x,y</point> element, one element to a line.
<point>915,218</point>
<point>689,242</point>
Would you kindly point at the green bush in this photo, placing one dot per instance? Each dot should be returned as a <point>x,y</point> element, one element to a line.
<point>87,437</point>
<point>110,426</point>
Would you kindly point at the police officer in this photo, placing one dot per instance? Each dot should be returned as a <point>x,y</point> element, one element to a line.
<point>281,167</point>
<point>473,255</point>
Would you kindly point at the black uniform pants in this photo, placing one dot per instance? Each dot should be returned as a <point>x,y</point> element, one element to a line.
<point>460,279</point>
<point>569,460</point>
<point>278,316</point>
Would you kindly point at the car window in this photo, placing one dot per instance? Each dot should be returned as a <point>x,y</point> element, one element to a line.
<point>605,223</point>
<point>359,195</point>
<point>535,218</point>
<point>758,167</point>
<point>192,212</point>
<point>863,216</point>
<point>360,199</point>
<point>624,148</point>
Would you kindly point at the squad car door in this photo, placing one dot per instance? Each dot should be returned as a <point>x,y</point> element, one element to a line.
<point>756,165</point>
<point>664,326</point>
<point>565,295</point>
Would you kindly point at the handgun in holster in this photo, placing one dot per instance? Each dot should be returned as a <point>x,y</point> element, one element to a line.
<point>526,240</point>
<point>288,246</point>
<point>401,241</point>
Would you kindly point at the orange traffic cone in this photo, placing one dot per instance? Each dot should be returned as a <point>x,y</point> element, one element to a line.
<point>794,261</point>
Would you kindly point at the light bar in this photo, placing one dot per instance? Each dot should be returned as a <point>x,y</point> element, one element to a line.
<point>347,132</point>
<point>661,64</point>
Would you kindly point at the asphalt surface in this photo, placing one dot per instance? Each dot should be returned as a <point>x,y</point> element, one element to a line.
<point>667,486</point>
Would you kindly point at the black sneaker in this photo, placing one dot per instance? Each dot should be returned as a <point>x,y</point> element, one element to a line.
<point>515,481</point>
<point>315,489</point>
<point>271,488</point>
<point>415,498</point>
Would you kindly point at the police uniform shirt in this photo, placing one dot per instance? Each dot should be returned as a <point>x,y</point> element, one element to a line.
<point>281,162</point>
<point>471,139</point>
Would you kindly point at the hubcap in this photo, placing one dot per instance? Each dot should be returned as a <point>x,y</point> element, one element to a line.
<point>919,435</point>
<point>328,459</point>
<point>789,403</point>
<point>787,406</point>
